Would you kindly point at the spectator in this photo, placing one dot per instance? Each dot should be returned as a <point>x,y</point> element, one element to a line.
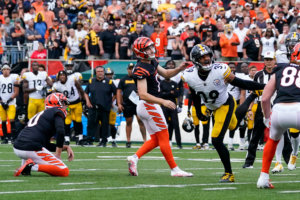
<point>29,15</point>
<point>177,11</point>
<point>252,45</point>
<point>176,53</point>
<point>268,42</point>
<point>38,5</point>
<point>261,22</point>
<point>54,51</point>
<point>17,33</point>
<point>160,41</point>
<point>117,25</point>
<point>206,26</point>
<point>190,42</point>
<point>107,42</point>
<point>93,48</point>
<point>41,53</point>
<point>90,12</point>
<point>167,22</point>
<point>8,5</point>
<point>73,45</point>
<point>241,32</point>
<point>114,7</point>
<point>294,27</point>
<point>41,26</point>
<point>148,28</point>
<point>233,19</point>
<point>102,92</point>
<point>126,90</point>
<point>228,43</point>
<point>165,7</point>
<point>123,50</point>
<point>31,34</point>
<point>63,18</point>
<point>280,21</point>
<point>210,39</point>
<point>48,15</point>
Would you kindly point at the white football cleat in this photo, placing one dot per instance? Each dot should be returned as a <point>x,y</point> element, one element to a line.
<point>132,165</point>
<point>181,173</point>
<point>264,182</point>
<point>278,168</point>
<point>292,163</point>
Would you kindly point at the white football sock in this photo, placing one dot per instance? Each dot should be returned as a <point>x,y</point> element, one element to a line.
<point>279,149</point>
<point>295,145</point>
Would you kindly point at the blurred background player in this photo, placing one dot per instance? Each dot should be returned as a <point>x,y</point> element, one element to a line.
<point>145,74</point>
<point>35,84</point>
<point>126,98</point>
<point>109,73</point>
<point>71,88</point>
<point>9,90</point>
<point>33,144</point>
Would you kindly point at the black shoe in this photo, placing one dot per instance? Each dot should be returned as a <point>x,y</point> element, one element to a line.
<point>67,143</point>
<point>102,144</point>
<point>179,146</point>
<point>27,170</point>
<point>128,144</point>
<point>82,142</point>
<point>114,144</point>
<point>247,166</point>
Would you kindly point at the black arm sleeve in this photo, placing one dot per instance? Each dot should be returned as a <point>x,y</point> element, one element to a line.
<point>51,147</point>
<point>197,104</point>
<point>60,131</point>
<point>247,85</point>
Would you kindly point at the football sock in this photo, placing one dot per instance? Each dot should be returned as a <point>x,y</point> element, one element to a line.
<point>242,132</point>
<point>279,149</point>
<point>223,154</point>
<point>148,146</point>
<point>68,130</point>
<point>53,170</point>
<point>13,130</point>
<point>4,129</point>
<point>113,131</point>
<point>268,155</point>
<point>231,134</point>
<point>163,141</point>
<point>295,145</point>
<point>249,132</point>
<point>78,128</point>
<point>205,132</point>
<point>197,133</point>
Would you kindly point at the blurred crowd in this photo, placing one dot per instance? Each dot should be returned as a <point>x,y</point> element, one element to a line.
<point>99,29</point>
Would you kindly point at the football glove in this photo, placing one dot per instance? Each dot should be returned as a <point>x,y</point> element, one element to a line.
<point>4,105</point>
<point>267,122</point>
<point>179,109</point>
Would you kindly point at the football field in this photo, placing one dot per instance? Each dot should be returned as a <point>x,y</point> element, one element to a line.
<point>102,173</point>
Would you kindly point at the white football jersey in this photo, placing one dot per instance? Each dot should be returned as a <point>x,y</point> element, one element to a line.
<point>233,90</point>
<point>213,91</point>
<point>35,80</point>
<point>68,89</point>
<point>7,87</point>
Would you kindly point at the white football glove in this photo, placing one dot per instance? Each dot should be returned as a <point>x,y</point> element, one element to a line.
<point>39,87</point>
<point>267,122</point>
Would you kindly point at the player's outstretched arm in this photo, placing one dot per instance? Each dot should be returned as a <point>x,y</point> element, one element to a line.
<point>244,84</point>
<point>168,73</point>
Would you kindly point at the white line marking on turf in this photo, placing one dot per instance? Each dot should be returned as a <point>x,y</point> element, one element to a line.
<point>289,191</point>
<point>285,174</point>
<point>5,165</point>
<point>82,183</point>
<point>220,188</point>
<point>10,181</point>
<point>137,187</point>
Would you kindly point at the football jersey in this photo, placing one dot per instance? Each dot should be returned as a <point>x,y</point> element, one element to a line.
<point>40,129</point>
<point>77,76</point>
<point>7,87</point>
<point>149,72</point>
<point>35,80</point>
<point>68,88</point>
<point>213,91</point>
<point>288,84</point>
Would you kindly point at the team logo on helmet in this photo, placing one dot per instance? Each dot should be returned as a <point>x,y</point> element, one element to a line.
<point>291,40</point>
<point>188,125</point>
<point>140,46</point>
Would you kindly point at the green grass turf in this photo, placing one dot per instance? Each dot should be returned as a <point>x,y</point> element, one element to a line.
<point>107,177</point>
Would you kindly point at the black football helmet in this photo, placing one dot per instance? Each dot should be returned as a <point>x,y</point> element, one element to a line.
<point>69,67</point>
<point>188,125</point>
<point>197,52</point>
<point>290,41</point>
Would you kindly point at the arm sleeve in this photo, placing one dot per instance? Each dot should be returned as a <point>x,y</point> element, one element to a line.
<point>247,85</point>
<point>60,130</point>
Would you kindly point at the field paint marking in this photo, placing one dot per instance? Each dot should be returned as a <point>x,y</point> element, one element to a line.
<point>289,191</point>
<point>136,187</point>
<point>5,165</point>
<point>145,157</point>
<point>10,181</point>
<point>220,188</point>
<point>285,174</point>
<point>82,183</point>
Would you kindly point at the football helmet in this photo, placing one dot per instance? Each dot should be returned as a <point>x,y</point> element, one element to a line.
<point>295,54</point>
<point>69,67</point>
<point>290,41</point>
<point>197,52</point>
<point>140,48</point>
<point>61,72</point>
<point>57,100</point>
<point>109,71</point>
<point>188,125</point>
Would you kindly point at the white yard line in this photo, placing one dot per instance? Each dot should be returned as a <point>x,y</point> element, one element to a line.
<point>138,187</point>
<point>11,181</point>
<point>78,183</point>
<point>289,191</point>
<point>220,188</point>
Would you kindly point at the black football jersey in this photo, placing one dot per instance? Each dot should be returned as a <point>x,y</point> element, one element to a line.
<point>149,72</point>
<point>127,85</point>
<point>40,129</point>
<point>288,84</point>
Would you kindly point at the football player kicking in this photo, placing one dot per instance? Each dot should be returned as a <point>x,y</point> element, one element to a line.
<point>285,82</point>
<point>71,88</point>
<point>208,83</point>
<point>33,144</point>
<point>9,90</point>
<point>148,108</point>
